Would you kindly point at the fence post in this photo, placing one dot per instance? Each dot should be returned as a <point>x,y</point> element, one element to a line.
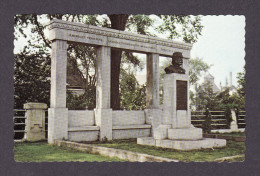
<point>206,125</point>
<point>35,121</point>
<point>233,124</point>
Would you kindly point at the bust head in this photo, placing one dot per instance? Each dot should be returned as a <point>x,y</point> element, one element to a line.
<point>177,59</point>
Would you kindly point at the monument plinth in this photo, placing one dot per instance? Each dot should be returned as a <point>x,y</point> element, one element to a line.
<point>176,130</point>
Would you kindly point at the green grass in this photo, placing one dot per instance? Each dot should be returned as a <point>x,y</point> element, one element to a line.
<point>41,151</point>
<point>235,134</point>
<point>233,148</point>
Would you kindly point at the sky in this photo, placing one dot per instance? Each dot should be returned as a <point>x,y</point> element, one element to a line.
<point>221,45</point>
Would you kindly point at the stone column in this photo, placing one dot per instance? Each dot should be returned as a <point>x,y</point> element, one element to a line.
<point>103,112</point>
<point>152,87</point>
<point>58,113</point>
<point>35,121</point>
<point>152,112</point>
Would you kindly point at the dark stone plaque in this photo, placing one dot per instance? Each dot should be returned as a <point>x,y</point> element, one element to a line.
<point>182,95</point>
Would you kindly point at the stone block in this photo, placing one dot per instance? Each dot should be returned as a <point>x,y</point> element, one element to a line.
<point>81,118</point>
<point>130,133</point>
<point>161,132</point>
<point>133,118</point>
<point>153,117</point>
<point>186,145</point>
<point>182,119</point>
<point>185,134</point>
<point>35,121</point>
<point>57,124</point>
<point>146,141</point>
<point>79,136</point>
<point>103,119</point>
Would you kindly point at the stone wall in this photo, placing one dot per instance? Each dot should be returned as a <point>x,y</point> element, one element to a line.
<point>128,118</point>
<point>81,118</point>
<point>125,125</point>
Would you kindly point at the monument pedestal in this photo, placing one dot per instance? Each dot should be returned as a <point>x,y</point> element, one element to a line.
<point>176,130</point>
<point>183,145</point>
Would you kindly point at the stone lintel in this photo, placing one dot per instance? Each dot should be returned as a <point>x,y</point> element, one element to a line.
<point>76,32</point>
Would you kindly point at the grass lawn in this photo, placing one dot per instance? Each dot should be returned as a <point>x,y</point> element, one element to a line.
<point>235,134</point>
<point>232,149</point>
<point>41,151</point>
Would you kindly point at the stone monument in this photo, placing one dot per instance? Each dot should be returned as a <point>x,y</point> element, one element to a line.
<point>35,121</point>
<point>176,130</point>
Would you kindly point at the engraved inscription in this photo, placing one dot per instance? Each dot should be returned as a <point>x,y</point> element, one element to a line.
<point>77,36</point>
<point>130,44</point>
<point>84,37</point>
<point>121,35</point>
<point>182,95</point>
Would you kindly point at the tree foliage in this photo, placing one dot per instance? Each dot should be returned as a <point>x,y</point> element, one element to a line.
<point>132,94</point>
<point>31,81</point>
<point>197,67</point>
<point>241,82</point>
<point>206,98</point>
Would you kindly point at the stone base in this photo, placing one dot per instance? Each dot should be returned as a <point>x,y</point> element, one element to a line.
<point>103,119</point>
<point>183,144</point>
<point>185,134</point>
<point>161,132</point>
<point>57,124</point>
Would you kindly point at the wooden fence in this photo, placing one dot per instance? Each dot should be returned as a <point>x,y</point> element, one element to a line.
<point>241,122</point>
<point>19,120</point>
<point>218,120</point>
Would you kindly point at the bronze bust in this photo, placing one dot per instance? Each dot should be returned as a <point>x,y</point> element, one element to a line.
<point>176,67</point>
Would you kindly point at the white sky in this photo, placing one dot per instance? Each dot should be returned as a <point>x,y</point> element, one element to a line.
<point>221,44</point>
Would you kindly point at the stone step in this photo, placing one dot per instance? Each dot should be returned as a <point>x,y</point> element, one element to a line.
<point>185,134</point>
<point>184,145</point>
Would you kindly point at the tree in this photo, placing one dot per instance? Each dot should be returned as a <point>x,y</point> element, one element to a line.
<point>241,82</point>
<point>197,67</point>
<point>31,81</point>
<point>131,93</point>
<point>206,98</point>
<point>178,26</point>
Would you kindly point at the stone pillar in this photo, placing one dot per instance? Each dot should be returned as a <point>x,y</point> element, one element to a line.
<point>103,112</point>
<point>233,125</point>
<point>152,87</point>
<point>152,112</point>
<point>58,113</point>
<point>178,117</point>
<point>35,121</point>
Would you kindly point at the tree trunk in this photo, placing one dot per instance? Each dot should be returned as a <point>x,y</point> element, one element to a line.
<point>117,22</point>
